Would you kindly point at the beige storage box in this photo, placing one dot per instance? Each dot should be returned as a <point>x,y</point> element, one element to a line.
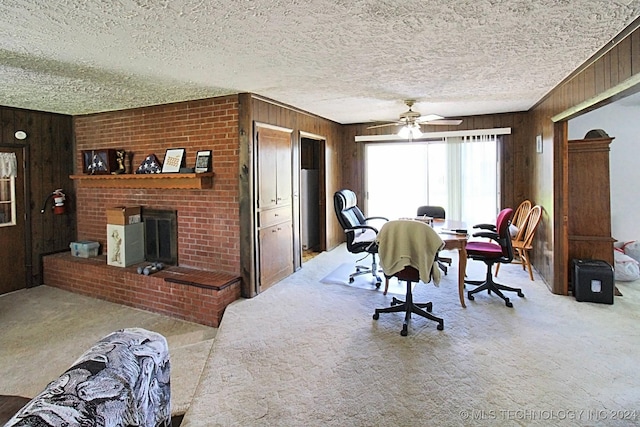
<point>125,244</point>
<point>124,215</point>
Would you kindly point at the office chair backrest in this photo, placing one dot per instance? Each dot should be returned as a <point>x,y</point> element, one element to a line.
<point>502,228</point>
<point>347,211</point>
<point>432,211</point>
<point>409,243</point>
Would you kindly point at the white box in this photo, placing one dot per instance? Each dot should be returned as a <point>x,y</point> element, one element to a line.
<point>125,244</point>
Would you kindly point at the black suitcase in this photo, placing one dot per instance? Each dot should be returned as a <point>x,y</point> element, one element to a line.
<point>593,281</point>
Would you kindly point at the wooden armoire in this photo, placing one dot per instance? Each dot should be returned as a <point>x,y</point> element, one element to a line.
<point>589,216</point>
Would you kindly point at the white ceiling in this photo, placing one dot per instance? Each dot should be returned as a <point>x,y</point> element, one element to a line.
<point>347,60</point>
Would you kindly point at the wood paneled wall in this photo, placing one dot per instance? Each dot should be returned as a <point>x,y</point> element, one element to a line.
<point>253,108</point>
<point>50,153</point>
<point>549,178</point>
<point>271,112</point>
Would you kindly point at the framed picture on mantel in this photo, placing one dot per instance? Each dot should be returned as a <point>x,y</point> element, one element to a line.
<point>173,160</point>
<point>203,161</point>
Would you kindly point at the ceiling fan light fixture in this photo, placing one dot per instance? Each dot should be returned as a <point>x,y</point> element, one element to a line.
<point>411,121</point>
<point>410,131</point>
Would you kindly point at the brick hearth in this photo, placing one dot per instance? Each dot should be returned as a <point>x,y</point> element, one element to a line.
<point>195,295</point>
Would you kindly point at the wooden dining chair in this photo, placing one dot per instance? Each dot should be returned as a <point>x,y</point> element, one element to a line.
<point>523,243</point>
<point>520,216</point>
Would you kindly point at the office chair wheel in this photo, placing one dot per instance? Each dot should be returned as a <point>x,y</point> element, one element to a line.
<point>520,294</point>
<point>471,297</point>
<point>429,307</point>
<point>376,316</point>
<point>378,285</point>
<point>351,279</point>
<point>395,301</point>
<point>404,332</point>
<point>508,303</point>
<point>441,326</point>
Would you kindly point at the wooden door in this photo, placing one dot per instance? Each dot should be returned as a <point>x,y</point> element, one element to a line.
<point>13,260</point>
<point>274,167</point>
<point>276,254</point>
<point>283,169</point>
<point>267,166</point>
<point>274,181</point>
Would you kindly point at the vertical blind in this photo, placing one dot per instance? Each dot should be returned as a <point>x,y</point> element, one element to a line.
<point>473,172</point>
<point>460,173</point>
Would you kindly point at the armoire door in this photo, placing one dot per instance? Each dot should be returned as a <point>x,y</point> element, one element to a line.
<point>13,264</point>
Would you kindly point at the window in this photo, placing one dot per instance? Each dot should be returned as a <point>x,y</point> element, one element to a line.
<point>459,173</point>
<point>7,201</point>
<point>8,171</point>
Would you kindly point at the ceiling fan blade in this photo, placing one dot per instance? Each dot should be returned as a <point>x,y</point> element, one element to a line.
<point>442,122</point>
<point>429,118</point>
<point>384,125</point>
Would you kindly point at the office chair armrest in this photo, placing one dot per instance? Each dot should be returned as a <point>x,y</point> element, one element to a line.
<point>491,227</point>
<point>365,236</point>
<point>360,227</point>
<point>488,235</point>
<point>376,217</point>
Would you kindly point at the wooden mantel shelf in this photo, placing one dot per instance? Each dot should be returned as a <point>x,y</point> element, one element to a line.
<point>198,181</point>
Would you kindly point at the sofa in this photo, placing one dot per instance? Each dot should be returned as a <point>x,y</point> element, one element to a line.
<point>122,380</point>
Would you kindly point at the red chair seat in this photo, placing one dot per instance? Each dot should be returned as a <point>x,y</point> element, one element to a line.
<point>486,249</point>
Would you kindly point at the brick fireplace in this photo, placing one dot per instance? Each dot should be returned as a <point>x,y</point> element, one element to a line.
<point>208,226</point>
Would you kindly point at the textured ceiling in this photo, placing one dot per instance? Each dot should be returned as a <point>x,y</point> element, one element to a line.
<point>347,60</point>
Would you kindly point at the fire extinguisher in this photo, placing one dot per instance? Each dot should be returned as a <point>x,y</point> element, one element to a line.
<point>58,202</point>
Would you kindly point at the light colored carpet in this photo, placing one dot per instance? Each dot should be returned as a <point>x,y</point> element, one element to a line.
<point>43,331</point>
<point>305,353</point>
<point>340,276</point>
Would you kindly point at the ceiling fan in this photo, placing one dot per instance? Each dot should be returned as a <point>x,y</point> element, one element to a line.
<point>411,120</point>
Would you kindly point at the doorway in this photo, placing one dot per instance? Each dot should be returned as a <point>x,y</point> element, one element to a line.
<point>312,196</point>
<point>13,250</point>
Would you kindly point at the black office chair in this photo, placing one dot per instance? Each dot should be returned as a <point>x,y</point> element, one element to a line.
<point>361,236</point>
<point>492,253</point>
<point>436,212</point>
<point>408,250</point>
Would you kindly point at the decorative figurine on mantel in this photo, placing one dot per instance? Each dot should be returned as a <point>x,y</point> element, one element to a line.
<point>120,168</point>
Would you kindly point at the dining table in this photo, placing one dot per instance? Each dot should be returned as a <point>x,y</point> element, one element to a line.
<point>455,235</point>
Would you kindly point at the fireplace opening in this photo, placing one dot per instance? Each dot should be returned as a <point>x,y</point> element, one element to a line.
<point>161,236</point>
